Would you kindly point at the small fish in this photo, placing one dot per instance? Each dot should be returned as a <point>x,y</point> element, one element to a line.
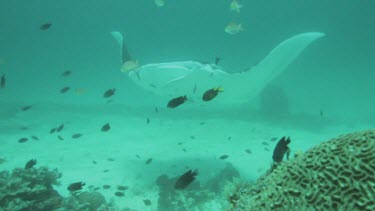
<point>119,194</point>
<point>106,186</point>
<point>45,26</point>
<point>122,187</point>
<point>109,93</point>
<point>235,6</point>
<point>211,94</point>
<point>147,202</point>
<point>185,180</point>
<point>229,138</point>
<point>35,138</point>
<point>273,139</point>
<point>148,161</point>
<point>77,135</point>
<point>60,138</point>
<point>175,102</point>
<point>159,3</point>
<point>75,186</point>
<point>111,159</point>
<point>248,151</point>
<point>265,148</point>
<point>280,149</point>
<point>2,81</point>
<point>148,120</point>
<point>31,163</point>
<point>156,109</point>
<point>192,137</point>
<point>66,73</point>
<point>64,89</point>
<point>94,162</point>
<point>321,113</point>
<point>22,140</point>
<point>106,127</point>
<point>265,143</point>
<point>96,188</point>
<point>202,123</point>
<point>217,60</point>
<point>52,131</point>
<point>233,28</point>
<point>25,108</point>
<point>60,128</point>
<point>223,157</point>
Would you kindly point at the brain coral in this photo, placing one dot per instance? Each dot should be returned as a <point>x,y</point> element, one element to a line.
<point>335,175</point>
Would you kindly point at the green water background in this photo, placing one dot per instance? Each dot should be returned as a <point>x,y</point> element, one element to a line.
<point>335,74</point>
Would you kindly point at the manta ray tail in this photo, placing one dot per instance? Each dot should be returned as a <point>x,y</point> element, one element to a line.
<point>125,56</point>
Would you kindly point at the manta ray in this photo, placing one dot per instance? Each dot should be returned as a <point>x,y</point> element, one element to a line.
<point>193,78</point>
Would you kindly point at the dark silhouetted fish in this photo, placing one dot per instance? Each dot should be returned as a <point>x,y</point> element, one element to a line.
<point>31,163</point>
<point>52,131</point>
<point>148,120</point>
<point>60,138</point>
<point>185,180</point>
<point>248,151</point>
<point>60,128</point>
<point>25,108</point>
<point>75,186</point>
<point>148,161</point>
<point>280,150</point>
<point>119,194</point>
<point>77,135</point>
<point>211,94</point>
<point>122,187</point>
<point>147,202</point>
<point>223,157</point>
<point>109,93</point>
<point>106,127</point>
<point>35,138</point>
<point>106,186</point>
<point>45,26</point>
<point>22,140</point>
<point>64,89</point>
<point>175,102</point>
<point>217,60</point>
<point>3,81</point>
<point>66,73</point>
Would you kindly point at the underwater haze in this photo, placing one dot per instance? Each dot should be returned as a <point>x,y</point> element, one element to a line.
<point>67,101</point>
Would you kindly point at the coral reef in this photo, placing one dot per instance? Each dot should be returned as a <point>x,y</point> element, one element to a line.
<point>29,189</point>
<point>335,175</point>
<point>26,189</point>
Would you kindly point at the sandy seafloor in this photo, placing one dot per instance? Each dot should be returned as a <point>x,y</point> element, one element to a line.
<point>204,138</point>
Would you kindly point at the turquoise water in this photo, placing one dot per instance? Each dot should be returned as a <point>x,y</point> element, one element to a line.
<point>334,75</point>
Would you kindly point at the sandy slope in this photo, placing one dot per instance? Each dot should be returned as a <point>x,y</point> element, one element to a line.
<point>175,140</point>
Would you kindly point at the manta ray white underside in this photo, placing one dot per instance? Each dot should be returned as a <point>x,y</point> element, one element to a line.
<point>191,78</point>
